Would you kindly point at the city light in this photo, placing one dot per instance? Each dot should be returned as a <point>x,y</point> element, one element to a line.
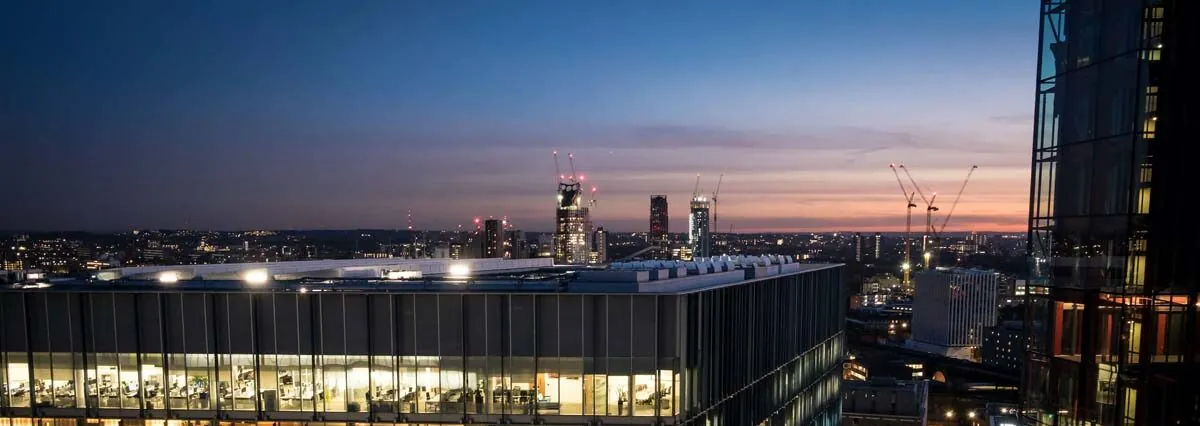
<point>949,414</point>
<point>168,277</point>
<point>970,414</point>
<point>459,271</point>
<point>905,266</point>
<point>256,276</point>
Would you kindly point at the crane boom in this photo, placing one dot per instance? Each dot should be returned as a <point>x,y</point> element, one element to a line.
<point>571,159</point>
<point>557,173</point>
<point>714,198</point>
<point>903,190</point>
<point>946,219</point>
<point>696,190</point>
<point>915,186</point>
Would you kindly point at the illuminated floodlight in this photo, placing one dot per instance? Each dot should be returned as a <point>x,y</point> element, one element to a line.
<point>905,266</point>
<point>949,414</point>
<point>168,277</point>
<point>459,270</point>
<point>256,276</point>
<point>971,414</point>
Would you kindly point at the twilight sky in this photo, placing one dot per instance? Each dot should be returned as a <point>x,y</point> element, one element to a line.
<point>322,114</point>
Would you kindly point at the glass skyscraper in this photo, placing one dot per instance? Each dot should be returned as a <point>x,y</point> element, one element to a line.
<point>1112,300</point>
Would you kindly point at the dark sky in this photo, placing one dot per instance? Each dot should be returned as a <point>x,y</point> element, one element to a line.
<point>324,114</point>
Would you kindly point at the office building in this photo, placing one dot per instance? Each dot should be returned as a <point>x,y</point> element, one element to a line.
<point>699,228</point>
<point>1004,346</point>
<point>481,341</point>
<point>1113,234</point>
<point>951,309</point>
<point>493,238</point>
<point>660,222</point>
<point>885,402</point>
<point>878,244</point>
<point>858,247</point>
<point>573,226</point>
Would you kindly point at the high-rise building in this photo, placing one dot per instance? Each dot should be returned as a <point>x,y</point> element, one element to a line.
<point>573,227</point>
<point>699,231</point>
<point>878,243</point>
<point>241,342</point>
<point>599,244</point>
<point>659,226</point>
<point>1004,346</point>
<point>1112,302</point>
<point>858,246</point>
<point>493,238</point>
<point>952,308</point>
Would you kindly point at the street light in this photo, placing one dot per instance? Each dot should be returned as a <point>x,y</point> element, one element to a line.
<point>949,414</point>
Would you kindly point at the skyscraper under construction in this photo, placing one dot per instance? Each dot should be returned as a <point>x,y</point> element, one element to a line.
<point>573,227</point>
<point>1112,304</point>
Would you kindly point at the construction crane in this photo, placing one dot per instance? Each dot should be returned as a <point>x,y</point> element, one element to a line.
<point>696,189</point>
<point>908,200</point>
<point>929,209</point>
<point>714,199</point>
<point>946,219</point>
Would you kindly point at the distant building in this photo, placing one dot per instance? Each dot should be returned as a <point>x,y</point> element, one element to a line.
<point>659,226</point>
<point>1004,346</point>
<point>599,245</point>
<point>699,228</point>
<point>572,226</point>
<point>858,247</point>
<point>493,238</point>
<point>951,309</point>
<point>515,245</point>
<point>885,402</point>
<point>878,243</point>
<point>853,370</point>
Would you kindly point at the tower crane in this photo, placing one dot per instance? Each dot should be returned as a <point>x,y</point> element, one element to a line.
<point>714,199</point>
<point>696,189</point>
<point>929,209</point>
<point>908,199</point>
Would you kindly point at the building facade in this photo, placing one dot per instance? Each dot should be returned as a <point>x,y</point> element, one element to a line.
<point>885,402</point>
<point>1112,303</point>
<point>741,347</point>
<point>660,225</point>
<point>699,228</point>
<point>951,309</point>
<point>1004,346</point>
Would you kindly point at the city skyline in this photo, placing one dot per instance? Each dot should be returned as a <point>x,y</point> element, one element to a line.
<point>312,116</point>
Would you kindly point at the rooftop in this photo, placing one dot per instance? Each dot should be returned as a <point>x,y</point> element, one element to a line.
<point>436,275</point>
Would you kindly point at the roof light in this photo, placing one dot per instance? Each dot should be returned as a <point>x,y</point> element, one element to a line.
<point>168,277</point>
<point>256,276</point>
<point>459,270</point>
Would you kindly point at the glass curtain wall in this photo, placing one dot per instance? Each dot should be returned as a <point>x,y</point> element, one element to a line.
<point>1101,329</point>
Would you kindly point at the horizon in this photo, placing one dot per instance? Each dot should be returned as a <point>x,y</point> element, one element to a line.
<point>299,115</point>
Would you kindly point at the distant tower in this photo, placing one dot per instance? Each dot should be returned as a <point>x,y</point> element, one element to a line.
<point>599,243</point>
<point>699,233</point>
<point>493,239</point>
<point>572,227</point>
<point>878,238</point>
<point>659,226</point>
<point>858,247</point>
